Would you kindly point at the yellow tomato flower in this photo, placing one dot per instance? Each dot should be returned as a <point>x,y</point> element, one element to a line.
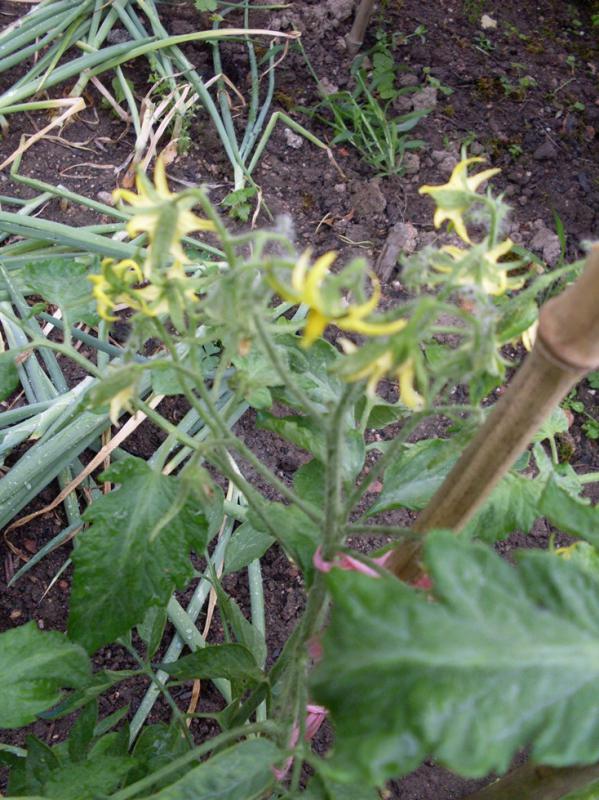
<point>455,197</point>
<point>121,400</point>
<point>383,365</point>
<point>163,215</point>
<point>407,392</point>
<point>104,301</point>
<point>306,287</point>
<point>109,286</point>
<point>529,335</point>
<point>567,552</point>
<point>165,295</point>
<point>486,272</point>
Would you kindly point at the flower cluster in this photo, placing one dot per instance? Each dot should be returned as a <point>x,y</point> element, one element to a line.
<point>347,299</point>
<point>308,287</point>
<point>455,197</point>
<point>166,218</point>
<point>478,266</point>
<point>315,288</point>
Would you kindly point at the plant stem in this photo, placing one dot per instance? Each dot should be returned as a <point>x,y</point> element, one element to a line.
<point>333,476</point>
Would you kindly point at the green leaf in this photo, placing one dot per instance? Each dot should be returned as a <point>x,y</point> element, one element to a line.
<point>34,667</point>
<point>29,775</point>
<point>156,746</point>
<point>67,771</point>
<point>411,481</point>
<point>151,629</point>
<point>504,658</point>
<point>210,5</point>
<point>255,376</point>
<point>231,661</point>
<point>294,530</point>
<point>243,771</point>
<point>323,788</point>
<point>382,414</point>
<point>304,432</point>
<point>517,314</point>
<point>104,725</point>
<point>51,771</point>
<point>95,777</point>
<point>246,545</point>
<point>570,514</point>
<point>308,482</point>
<point>301,431</point>
<point>512,506</point>
<point>312,368</point>
<point>9,378</point>
<point>167,381</point>
<point>99,683</point>
<point>135,553</point>
<point>353,456</point>
<point>117,381</point>
<point>82,733</point>
<point>556,422</point>
<point>64,283</point>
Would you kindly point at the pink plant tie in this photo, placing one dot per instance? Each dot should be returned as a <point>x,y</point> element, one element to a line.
<point>315,716</point>
<point>423,582</point>
<point>343,561</point>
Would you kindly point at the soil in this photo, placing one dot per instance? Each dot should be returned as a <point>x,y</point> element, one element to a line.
<point>523,94</point>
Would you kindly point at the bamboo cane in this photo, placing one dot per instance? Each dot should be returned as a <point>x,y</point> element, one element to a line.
<point>532,782</point>
<point>567,347</point>
<point>355,37</point>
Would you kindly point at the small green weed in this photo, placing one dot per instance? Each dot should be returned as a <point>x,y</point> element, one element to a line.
<point>238,203</point>
<point>519,89</point>
<point>590,427</point>
<point>384,64</point>
<point>483,43</point>
<point>436,83</point>
<point>515,150</point>
<point>593,379</point>
<point>383,73</point>
<point>473,10</point>
<point>358,119</point>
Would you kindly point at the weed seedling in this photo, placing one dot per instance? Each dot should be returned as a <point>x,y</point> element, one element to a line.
<point>473,10</point>
<point>238,203</point>
<point>483,43</point>
<point>357,118</point>
<point>515,150</point>
<point>436,83</point>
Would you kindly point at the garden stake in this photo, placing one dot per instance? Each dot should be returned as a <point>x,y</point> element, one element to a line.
<point>533,782</point>
<point>355,37</point>
<point>567,347</point>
